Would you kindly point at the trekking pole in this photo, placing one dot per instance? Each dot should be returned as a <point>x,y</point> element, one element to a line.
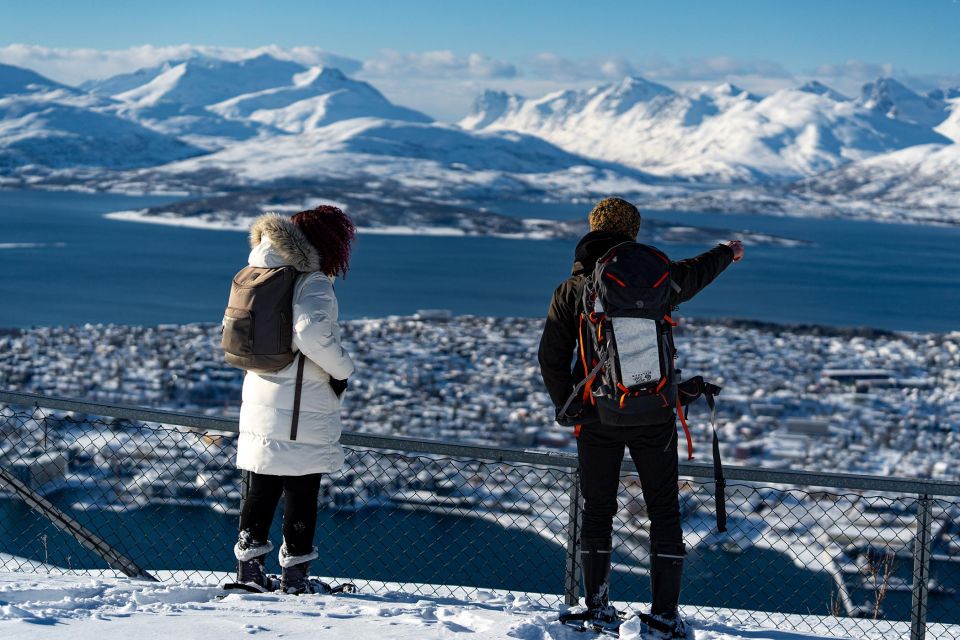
<point>720,482</point>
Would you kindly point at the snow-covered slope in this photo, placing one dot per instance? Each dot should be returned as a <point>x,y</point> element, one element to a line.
<point>951,126</point>
<point>114,85</point>
<point>722,133</point>
<point>921,178</point>
<point>50,125</point>
<point>86,608</point>
<point>418,155</point>
<point>200,81</point>
<point>316,97</point>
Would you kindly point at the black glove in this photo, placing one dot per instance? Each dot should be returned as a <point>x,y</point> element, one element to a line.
<point>338,386</point>
<point>573,415</point>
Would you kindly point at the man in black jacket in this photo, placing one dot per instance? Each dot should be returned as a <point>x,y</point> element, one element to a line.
<point>600,447</point>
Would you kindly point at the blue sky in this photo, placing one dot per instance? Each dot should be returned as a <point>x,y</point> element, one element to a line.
<point>919,35</point>
<point>531,45</point>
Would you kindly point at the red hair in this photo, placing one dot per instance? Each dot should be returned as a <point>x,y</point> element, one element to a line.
<point>331,231</point>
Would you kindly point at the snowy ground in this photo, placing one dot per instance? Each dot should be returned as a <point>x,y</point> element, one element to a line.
<point>42,605</point>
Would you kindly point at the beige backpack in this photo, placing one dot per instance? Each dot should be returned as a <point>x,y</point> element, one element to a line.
<point>258,323</point>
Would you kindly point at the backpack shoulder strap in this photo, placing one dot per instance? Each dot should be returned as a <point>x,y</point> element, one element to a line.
<point>298,391</point>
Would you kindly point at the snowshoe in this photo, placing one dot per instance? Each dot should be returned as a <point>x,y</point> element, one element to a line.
<point>316,585</point>
<point>248,587</point>
<point>602,621</point>
<point>295,578</point>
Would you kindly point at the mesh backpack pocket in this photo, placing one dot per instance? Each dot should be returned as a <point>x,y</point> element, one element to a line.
<point>638,350</point>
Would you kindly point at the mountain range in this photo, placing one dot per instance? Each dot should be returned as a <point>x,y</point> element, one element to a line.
<point>204,122</point>
<point>722,133</point>
<point>47,124</point>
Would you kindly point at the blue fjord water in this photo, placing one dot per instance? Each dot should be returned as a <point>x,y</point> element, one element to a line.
<point>90,269</point>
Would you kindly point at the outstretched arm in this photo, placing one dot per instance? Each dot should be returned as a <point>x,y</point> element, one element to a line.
<point>557,344</point>
<point>693,274</point>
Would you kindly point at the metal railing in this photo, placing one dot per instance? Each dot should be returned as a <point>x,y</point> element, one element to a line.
<point>841,554</point>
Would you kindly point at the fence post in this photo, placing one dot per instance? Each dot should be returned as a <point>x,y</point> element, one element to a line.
<point>921,570</point>
<point>571,589</point>
<point>63,522</point>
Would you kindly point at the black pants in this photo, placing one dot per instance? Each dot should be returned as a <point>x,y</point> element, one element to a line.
<point>654,453</point>
<point>299,513</point>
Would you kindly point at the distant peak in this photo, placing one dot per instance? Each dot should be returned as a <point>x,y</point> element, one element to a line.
<point>634,90</point>
<point>887,86</point>
<point>488,107</point>
<point>19,80</point>
<point>492,96</point>
<point>950,93</point>
<point>820,89</point>
<point>319,75</point>
<point>634,83</point>
<point>733,91</point>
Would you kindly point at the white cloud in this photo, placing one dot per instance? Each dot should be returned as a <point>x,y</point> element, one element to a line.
<point>717,69</point>
<point>551,66</point>
<point>73,66</point>
<point>850,76</point>
<point>436,64</point>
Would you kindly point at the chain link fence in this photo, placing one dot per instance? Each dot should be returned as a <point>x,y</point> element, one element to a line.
<point>444,519</point>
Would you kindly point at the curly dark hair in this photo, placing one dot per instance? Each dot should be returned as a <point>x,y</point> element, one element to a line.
<point>331,231</point>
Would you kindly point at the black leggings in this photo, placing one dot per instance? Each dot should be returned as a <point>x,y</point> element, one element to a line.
<point>299,512</point>
<point>654,453</point>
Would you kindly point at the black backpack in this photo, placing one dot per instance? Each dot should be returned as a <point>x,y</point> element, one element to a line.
<point>626,338</point>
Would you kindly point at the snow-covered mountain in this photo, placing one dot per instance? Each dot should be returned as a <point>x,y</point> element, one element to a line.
<point>316,97</point>
<point>921,178</point>
<point>47,124</point>
<point>891,98</point>
<point>204,121</point>
<point>175,100</point>
<point>721,133</point>
<point>200,81</point>
<point>215,103</point>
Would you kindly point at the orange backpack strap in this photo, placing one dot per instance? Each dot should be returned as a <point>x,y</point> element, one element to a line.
<point>686,430</point>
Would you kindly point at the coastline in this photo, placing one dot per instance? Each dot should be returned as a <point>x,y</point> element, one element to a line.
<point>534,228</point>
<point>537,228</point>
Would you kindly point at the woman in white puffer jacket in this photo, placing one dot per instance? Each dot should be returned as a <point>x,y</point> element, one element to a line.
<point>317,244</point>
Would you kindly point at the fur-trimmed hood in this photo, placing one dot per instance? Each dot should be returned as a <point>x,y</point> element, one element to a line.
<point>287,240</point>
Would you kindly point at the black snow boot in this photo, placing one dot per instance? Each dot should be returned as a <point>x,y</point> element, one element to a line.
<point>666,573</point>
<point>595,565</point>
<point>250,555</point>
<point>295,578</point>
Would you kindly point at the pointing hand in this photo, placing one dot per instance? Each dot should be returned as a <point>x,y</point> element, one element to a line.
<point>737,248</point>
